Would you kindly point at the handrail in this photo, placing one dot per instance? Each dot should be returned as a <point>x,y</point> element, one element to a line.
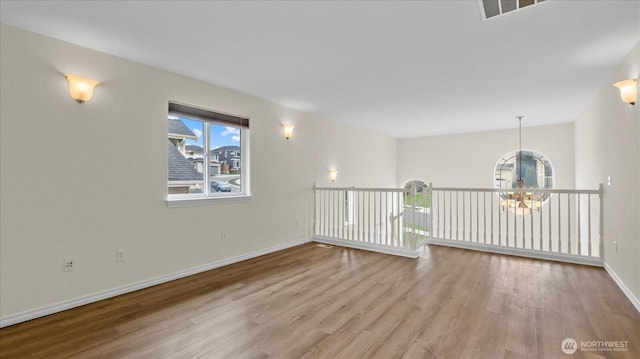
<point>516,190</point>
<point>361,189</point>
<point>463,189</point>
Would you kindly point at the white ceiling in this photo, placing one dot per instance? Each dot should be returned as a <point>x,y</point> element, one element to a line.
<point>405,69</point>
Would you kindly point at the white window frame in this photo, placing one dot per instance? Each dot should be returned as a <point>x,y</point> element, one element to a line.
<point>208,196</point>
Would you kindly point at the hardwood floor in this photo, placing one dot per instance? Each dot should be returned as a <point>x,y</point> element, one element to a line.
<point>315,302</point>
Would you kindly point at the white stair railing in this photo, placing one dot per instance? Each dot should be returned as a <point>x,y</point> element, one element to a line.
<point>369,218</point>
<point>566,226</point>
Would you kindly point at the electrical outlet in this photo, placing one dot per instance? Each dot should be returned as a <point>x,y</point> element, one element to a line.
<point>223,236</point>
<point>121,255</point>
<point>615,246</point>
<point>68,265</point>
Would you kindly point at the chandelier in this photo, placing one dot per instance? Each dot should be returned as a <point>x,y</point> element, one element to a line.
<point>521,203</point>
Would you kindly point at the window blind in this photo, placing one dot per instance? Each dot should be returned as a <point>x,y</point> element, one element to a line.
<point>179,110</point>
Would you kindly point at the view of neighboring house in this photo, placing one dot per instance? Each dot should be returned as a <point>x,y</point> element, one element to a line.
<point>179,133</point>
<point>193,151</point>
<point>183,174</point>
<point>195,155</point>
<point>186,161</point>
<point>229,158</point>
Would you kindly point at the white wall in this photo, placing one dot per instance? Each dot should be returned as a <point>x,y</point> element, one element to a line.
<point>84,180</point>
<point>607,143</point>
<point>469,159</point>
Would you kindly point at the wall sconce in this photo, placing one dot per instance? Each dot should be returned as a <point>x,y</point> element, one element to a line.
<point>333,175</point>
<point>288,131</point>
<point>628,90</point>
<point>81,88</point>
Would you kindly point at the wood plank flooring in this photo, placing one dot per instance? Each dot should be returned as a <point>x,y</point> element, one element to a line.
<point>315,302</point>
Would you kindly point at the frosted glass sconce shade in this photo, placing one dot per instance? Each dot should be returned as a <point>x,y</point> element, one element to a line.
<point>288,131</point>
<point>81,88</point>
<point>628,90</point>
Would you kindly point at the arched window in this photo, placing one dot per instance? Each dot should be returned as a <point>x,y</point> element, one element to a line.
<point>531,167</point>
<point>421,198</point>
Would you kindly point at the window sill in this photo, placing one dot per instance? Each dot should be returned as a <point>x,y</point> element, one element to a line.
<point>206,201</point>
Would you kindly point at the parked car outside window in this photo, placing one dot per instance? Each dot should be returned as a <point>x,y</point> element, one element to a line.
<point>220,186</point>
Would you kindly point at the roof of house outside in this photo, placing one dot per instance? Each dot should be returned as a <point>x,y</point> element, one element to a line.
<point>180,169</point>
<point>226,148</point>
<point>193,148</point>
<point>177,127</point>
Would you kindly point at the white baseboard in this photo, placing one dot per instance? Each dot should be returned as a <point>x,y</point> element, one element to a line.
<point>632,298</point>
<point>91,298</point>
<point>518,252</point>
<point>368,246</point>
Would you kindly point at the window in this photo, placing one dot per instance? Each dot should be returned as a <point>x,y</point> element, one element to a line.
<point>532,167</point>
<point>207,154</point>
<point>416,208</point>
<point>422,196</point>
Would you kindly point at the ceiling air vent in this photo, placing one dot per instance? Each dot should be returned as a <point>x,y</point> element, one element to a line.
<point>498,7</point>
